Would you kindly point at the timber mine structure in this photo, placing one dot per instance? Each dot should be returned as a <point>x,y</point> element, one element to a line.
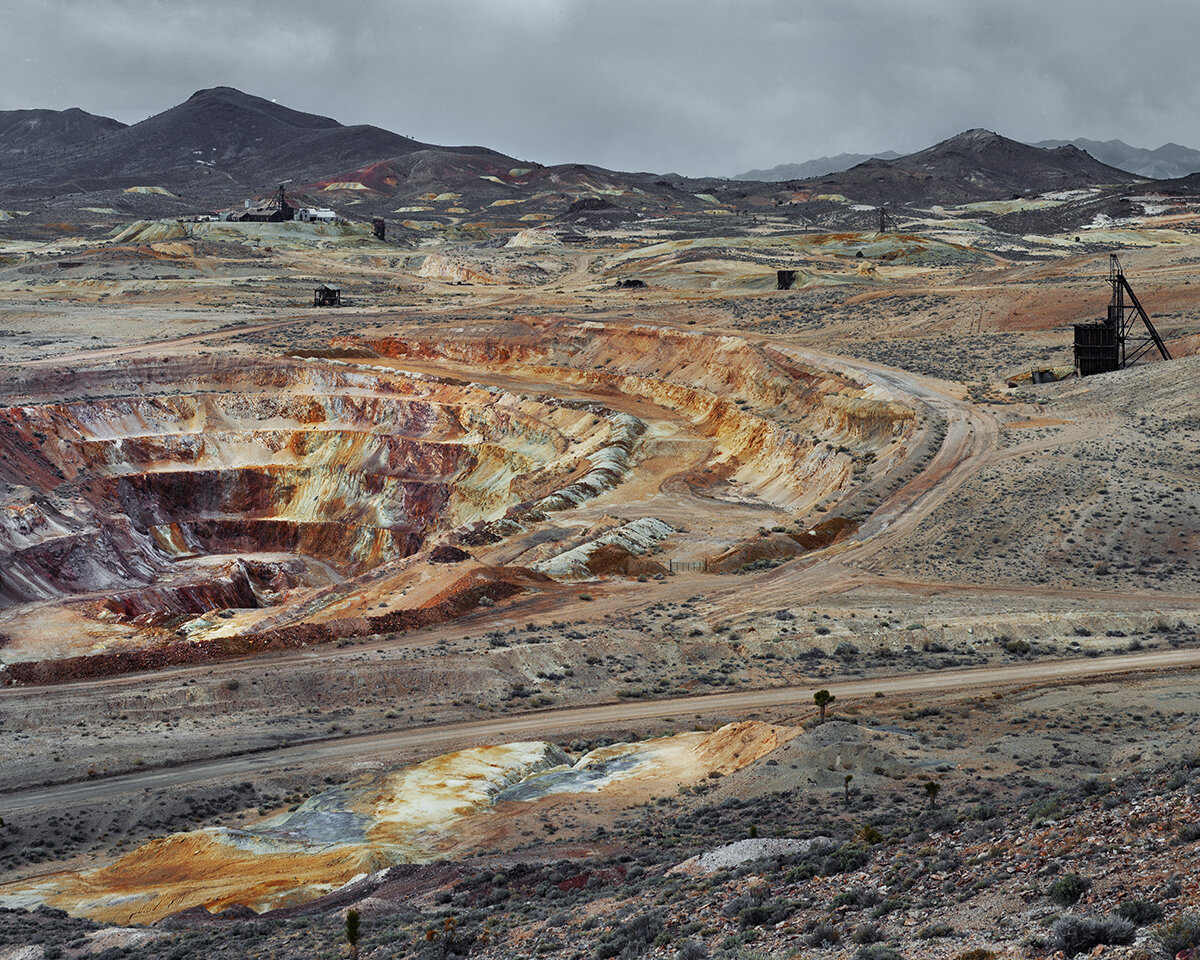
<point>1116,342</point>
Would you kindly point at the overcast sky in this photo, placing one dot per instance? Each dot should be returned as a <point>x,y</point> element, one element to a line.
<point>701,87</point>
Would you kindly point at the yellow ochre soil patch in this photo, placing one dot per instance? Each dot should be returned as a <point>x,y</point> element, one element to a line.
<point>455,803</point>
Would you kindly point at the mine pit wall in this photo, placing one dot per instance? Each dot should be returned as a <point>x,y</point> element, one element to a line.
<point>780,453</point>
<point>357,478</point>
<point>246,584</point>
<point>105,558</point>
<point>463,597</point>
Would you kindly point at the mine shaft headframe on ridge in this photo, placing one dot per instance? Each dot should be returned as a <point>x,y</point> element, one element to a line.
<point>1115,343</point>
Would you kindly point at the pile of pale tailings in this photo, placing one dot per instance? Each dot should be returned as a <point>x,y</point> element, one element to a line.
<point>142,497</point>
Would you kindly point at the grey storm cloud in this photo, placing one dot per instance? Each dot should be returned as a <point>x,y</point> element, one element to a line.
<point>694,86</point>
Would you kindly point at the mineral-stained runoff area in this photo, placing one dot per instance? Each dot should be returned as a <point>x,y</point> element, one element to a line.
<point>492,604</point>
<point>443,808</point>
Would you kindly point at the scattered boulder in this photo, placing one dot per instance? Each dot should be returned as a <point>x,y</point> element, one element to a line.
<point>747,851</point>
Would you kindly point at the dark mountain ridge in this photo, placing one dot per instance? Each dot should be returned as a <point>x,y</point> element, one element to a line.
<point>36,131</point>
<point>216,136</point>
<point>974,165</point>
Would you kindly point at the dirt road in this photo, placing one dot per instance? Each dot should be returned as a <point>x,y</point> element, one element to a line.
<point>430,741</point>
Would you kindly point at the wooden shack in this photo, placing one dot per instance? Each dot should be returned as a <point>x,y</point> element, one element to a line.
<point>325,296</point>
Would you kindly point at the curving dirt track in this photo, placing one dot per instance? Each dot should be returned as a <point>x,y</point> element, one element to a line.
<point>439,739</point>
<point>971,436</point>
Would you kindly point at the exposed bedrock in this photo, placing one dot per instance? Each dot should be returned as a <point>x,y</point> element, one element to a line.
<point>162,462</point>
<point>237,584</point>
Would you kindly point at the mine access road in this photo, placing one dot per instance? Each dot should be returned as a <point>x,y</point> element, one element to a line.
<point>424,742</point>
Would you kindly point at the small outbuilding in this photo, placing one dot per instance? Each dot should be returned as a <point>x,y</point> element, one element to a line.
<point>326,296</point>
<point>316,215</point>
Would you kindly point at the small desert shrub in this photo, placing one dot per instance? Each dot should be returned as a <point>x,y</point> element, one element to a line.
<point>1139,912</point>
<point>1179,934</point>
<point>867,933</point>
<point>823,935</point>
<point>1067,889</point>
<point>1189,832</point>
<point>979,953</point>
<point>879,951</point>
<point>691,950</point>
<point>1045,810</point>
<point>630,937</point>
<point>981,811</point>
<point>1018,647</point>
<point>1074,935</point>
<point>1094,787</point>
<point>868,835</point>
<point>771,912</point>
<point>935,930</point>
<point>857,897</point>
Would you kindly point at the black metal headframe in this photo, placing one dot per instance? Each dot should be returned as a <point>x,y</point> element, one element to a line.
<point>1119,314</point>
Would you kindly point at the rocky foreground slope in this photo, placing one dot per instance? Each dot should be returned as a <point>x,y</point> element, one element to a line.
<point>831,843</point>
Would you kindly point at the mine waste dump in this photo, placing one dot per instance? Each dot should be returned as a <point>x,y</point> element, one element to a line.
<point>147,496</point>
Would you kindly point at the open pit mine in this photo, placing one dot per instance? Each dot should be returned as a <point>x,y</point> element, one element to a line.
<point>561,562</point>
<point>173,511</point>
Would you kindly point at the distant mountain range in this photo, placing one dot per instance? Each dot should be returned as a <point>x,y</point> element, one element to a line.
<point>974,165</point>
<point>1165,163</point>
<point>814,168</point>
<point>221,146</point>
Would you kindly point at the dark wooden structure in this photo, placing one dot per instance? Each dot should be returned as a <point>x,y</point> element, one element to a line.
<point>1096,348</point>
<point>324,296</point>
<point>784,279</point>
<point>379,228</point>
<point>1116,342</point>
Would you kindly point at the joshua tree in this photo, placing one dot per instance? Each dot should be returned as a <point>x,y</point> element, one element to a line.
<point>823,698</point>
<point>849,777</point>
<point>931,790</point>
<point>352,932</point>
